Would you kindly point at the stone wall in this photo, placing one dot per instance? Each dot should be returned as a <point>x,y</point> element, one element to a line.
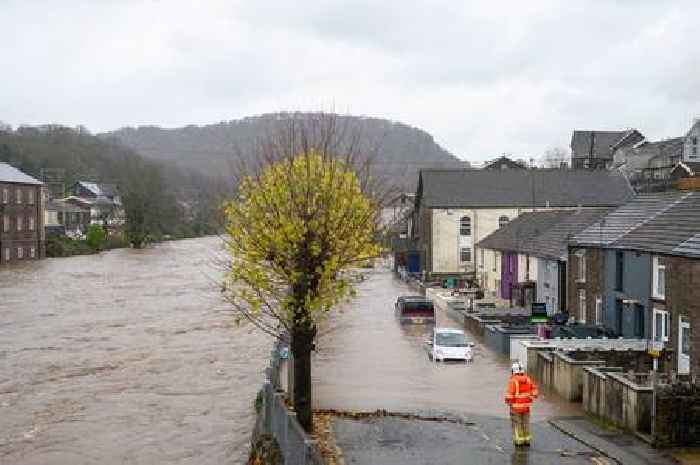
<point>677,419</point>
<point>593,283</point>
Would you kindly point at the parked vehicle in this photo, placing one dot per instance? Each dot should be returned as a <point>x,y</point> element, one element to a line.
<point>414,309</point>
<point>449,344</point>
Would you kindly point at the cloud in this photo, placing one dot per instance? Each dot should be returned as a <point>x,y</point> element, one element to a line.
<point>483,78</point>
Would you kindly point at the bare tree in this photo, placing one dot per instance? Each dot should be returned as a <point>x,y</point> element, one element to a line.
<point>555,157</point>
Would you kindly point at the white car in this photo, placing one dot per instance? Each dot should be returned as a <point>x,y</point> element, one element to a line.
<point>450,344</point>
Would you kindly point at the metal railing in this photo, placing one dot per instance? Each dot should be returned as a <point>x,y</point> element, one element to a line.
<point>278,421</point>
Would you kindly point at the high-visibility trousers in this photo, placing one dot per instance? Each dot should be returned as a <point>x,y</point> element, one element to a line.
<point>521,428</point>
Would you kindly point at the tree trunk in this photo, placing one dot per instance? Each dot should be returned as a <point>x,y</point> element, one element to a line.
<point>302,343</point>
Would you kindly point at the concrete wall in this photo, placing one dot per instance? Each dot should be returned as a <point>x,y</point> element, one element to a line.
<point>628,405</point>
<point>594,385</point>
<point>567,375</point>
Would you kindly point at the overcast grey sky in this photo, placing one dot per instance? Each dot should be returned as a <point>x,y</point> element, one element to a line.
<point>484,77</point>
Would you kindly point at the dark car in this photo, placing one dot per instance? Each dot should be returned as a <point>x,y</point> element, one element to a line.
<point>415,309</point>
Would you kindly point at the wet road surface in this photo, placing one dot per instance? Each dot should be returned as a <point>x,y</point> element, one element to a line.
<point>366,360</point>
<point>125,357</point>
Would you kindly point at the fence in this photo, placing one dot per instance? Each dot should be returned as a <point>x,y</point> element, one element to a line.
<point>275,419</point>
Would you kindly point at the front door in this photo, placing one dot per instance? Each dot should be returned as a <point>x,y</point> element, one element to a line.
<point>683,347</point>
<point>509,274</point>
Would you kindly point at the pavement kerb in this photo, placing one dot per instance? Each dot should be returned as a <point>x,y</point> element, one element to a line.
<point>587,442</point>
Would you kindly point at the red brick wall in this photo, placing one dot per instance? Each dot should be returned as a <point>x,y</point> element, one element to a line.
<point>26,238</point>
<point>594,282</point>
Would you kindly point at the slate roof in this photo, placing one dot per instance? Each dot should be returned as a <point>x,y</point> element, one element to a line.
<point>522,230</point>
<point>471,188</point>
<point>100,190</point>
<point>10,174</point>
<point>626,218</point>
<point>543,234</point>
<point>602,141</point>
<point>674,231</point>
<point>554,242</point>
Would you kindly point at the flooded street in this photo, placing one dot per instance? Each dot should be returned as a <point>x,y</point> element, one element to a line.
<point>125,357</point>
<point>366,360</point>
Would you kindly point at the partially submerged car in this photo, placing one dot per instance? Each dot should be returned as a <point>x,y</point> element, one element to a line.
<point>449,344</point>
<point>414,309</point>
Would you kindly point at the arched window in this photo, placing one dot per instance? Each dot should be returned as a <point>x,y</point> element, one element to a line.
<point>465,226</point>
<point>502,221</point>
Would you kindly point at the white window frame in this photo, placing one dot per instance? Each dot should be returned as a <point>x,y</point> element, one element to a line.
<point>582,305</point>
<point>461,251</point>
<point>6,223</point>
<point>32,252</point>
<point>20,253</point>
<point>665,325</point>
<point>18,195</point>
<point>18,219</point>
<point>581,266</point>
<point>503,220</point>
<point>8,254</point>
<point>5,195</point>
<point>465,222</point>
<point>656,268</point>
<point>30,196</point>
<point>31,223</point>
<point>598,310</point>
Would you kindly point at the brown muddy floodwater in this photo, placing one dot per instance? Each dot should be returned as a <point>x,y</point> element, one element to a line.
<point>367,360</point>
<point>127,357</point>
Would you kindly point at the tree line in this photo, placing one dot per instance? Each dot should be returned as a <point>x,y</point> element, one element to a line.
<point>159,199</point>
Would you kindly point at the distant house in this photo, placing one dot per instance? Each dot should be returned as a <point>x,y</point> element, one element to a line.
<point>455,209</point>
<point>636,270</point>
<point>66,217</point>
<point>595,149</point>
<point>21,216</point>
<point>530,256</point>
<point>645,164</point>
<point>103,200</point>
<point>505,163</point>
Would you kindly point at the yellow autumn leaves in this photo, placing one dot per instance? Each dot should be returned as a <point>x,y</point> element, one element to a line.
<point>294,232</point>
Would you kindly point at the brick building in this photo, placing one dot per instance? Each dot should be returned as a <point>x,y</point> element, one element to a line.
<point>21,216</point>
<point>637,271</point>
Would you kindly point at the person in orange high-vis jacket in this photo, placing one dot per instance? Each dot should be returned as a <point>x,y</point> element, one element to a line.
<point>519,395</point>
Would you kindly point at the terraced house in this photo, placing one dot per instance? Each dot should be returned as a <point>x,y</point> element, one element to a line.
<point>455,209</point>
<point>637,271</point>
<point>21,216</point>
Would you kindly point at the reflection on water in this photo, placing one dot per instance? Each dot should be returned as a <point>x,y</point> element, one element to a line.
<point>124,357</point>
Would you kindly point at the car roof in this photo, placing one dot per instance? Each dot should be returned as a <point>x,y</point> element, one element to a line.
<point>412,297</point>
<point>449,330</point>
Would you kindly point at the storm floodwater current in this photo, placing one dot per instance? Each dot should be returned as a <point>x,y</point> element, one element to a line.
<point>129,356</point>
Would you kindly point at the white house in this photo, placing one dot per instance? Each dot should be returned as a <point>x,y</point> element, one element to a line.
<point>455,209</point>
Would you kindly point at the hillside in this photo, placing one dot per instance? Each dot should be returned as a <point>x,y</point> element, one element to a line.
<point>401,150</point>
<point>183,199</point>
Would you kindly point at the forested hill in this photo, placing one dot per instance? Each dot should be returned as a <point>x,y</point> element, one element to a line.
<point>182,202</point>
<point>401,149</point>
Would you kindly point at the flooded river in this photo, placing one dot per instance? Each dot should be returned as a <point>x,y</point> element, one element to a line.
<point>124,357</point>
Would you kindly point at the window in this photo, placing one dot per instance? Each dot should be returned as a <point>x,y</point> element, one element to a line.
<point>32,252</point>
<point>658,279</point>
<point>598,311</point>
<point>502,221</point>
<point>7,254</point>
<point>661,325</point>
<point>18,194</point>
<point>20,252</point>
<point>30,196</point>
<point>465,254</point>
<point>495,261</point>
<point>619,270</point>
<point>6,223</point>
<point>19,223</point>
<point>5,195</point>
<point>465,226</point>
<point>582,305</point>
<point>581,254</point>
<point>31,223</point>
